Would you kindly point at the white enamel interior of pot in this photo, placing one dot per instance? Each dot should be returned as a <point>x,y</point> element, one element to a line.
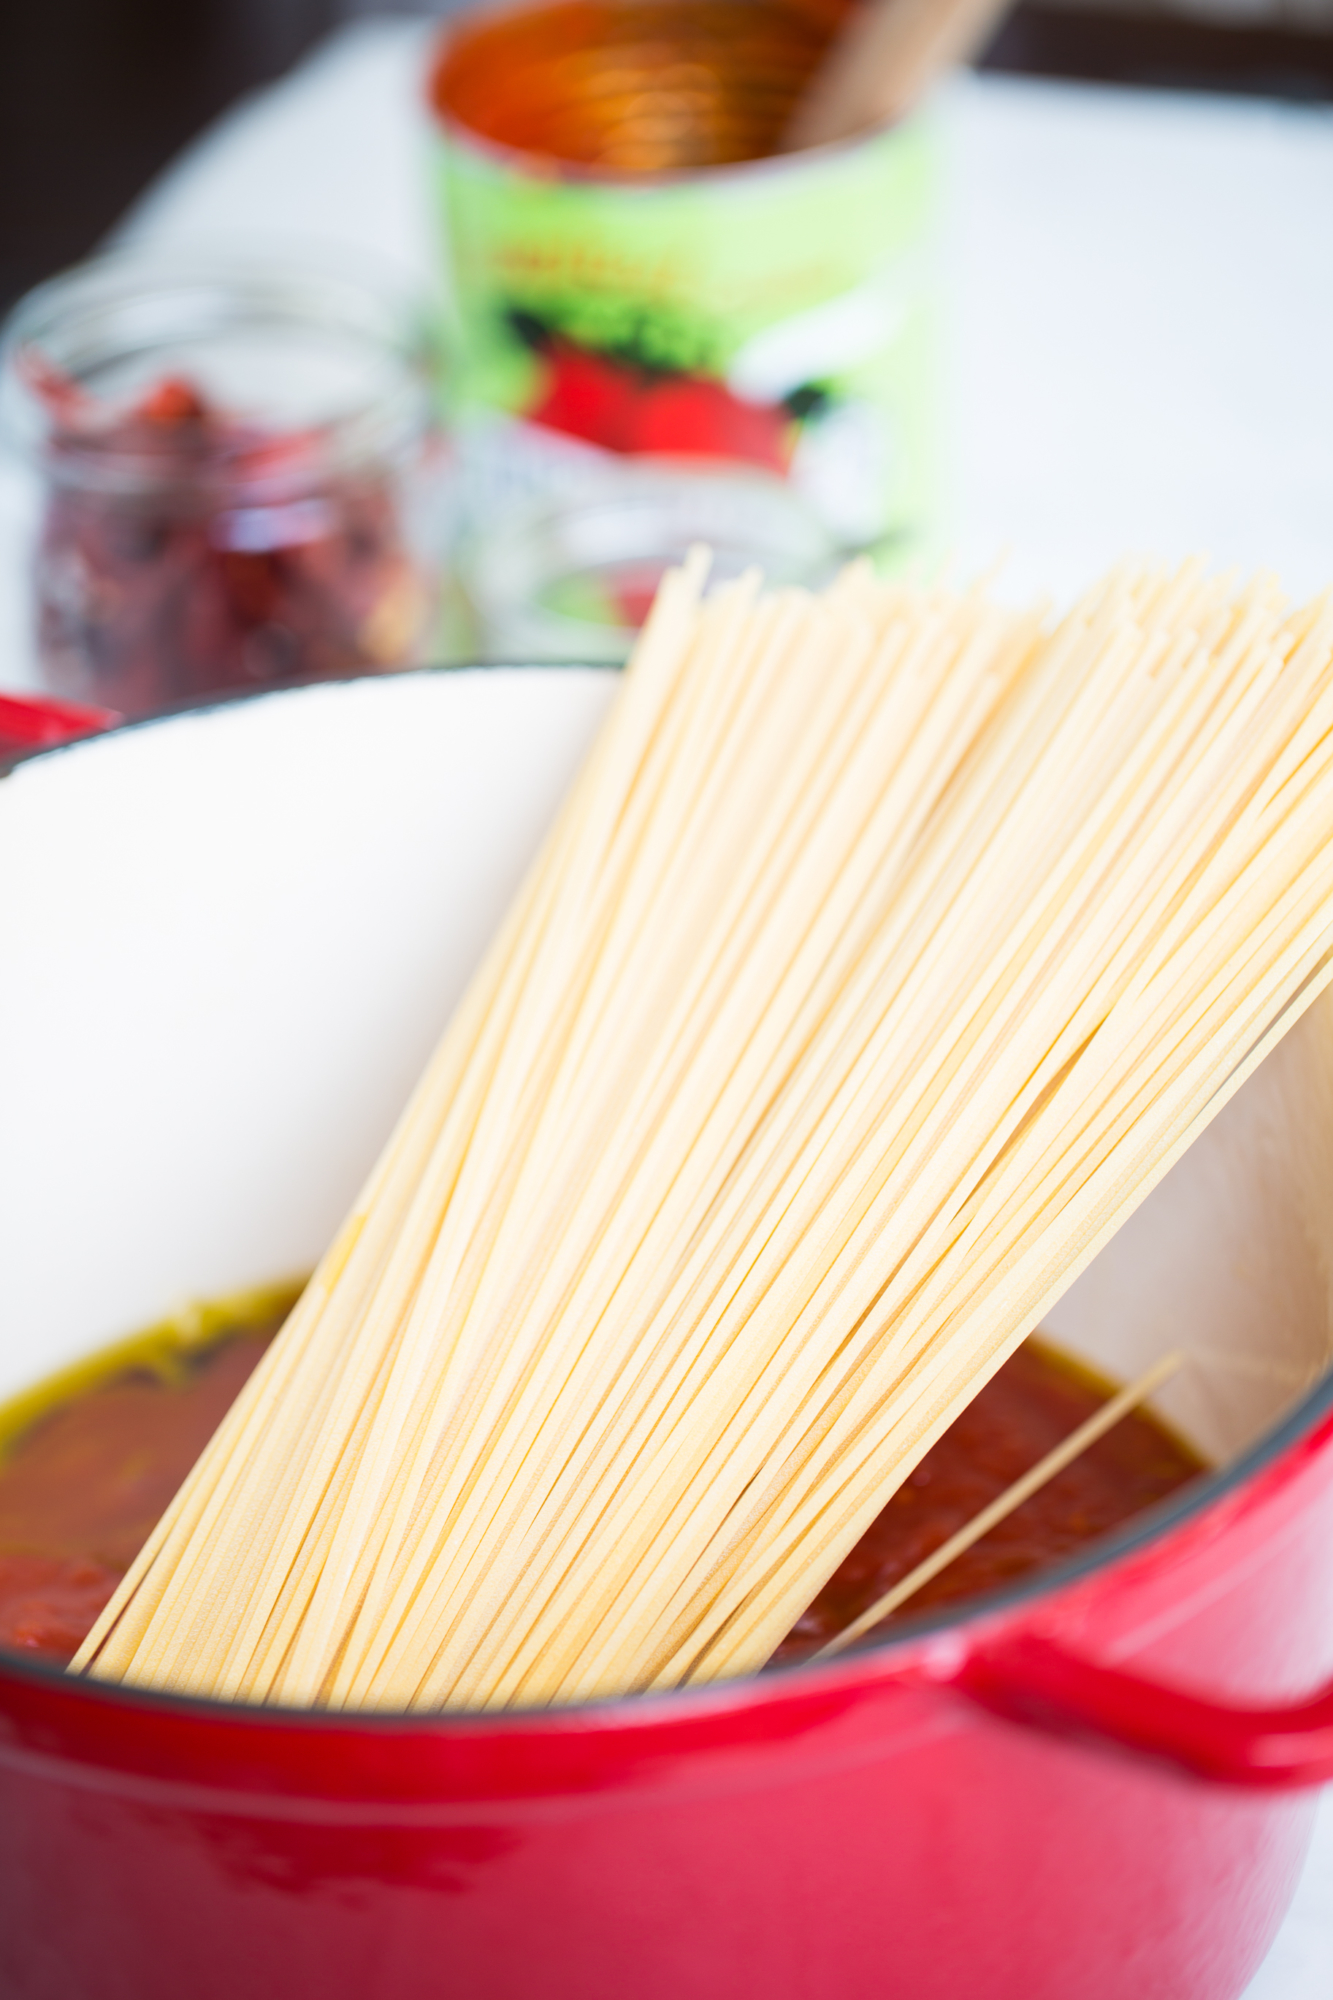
<point>228,942</point>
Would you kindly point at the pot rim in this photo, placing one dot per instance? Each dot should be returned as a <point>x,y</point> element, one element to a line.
<point>873,1653</point>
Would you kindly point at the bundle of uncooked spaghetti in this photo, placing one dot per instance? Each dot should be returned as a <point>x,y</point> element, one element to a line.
<point>888,949</point>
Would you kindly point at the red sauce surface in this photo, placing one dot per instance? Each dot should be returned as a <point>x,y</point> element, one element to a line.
<point>81,1490</point>
<point>635,86</point>
<point>1024,1411</point>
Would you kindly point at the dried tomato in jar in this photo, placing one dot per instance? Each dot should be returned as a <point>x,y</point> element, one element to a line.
<point>243,478</point>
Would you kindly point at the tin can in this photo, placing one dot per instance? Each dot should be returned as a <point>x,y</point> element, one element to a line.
<point>777,313</point>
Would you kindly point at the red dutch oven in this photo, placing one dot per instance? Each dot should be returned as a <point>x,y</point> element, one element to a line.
<point>227,942</point>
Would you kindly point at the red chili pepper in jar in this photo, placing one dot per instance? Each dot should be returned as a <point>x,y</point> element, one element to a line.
<point>186,551</point>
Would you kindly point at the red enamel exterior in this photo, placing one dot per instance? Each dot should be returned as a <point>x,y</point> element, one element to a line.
<point>866,1828</point>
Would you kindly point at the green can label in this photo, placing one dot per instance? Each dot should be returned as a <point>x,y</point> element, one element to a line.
<point>778,315</point>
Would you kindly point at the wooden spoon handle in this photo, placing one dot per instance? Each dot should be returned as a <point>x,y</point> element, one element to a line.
<point>883,61</point>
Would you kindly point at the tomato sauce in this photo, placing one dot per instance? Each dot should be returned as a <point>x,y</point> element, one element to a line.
<point>82,1485</point>
<point>1024,1411</point>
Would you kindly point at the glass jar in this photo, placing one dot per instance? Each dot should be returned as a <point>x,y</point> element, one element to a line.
<point>244,482</point>
<point>573,579</point>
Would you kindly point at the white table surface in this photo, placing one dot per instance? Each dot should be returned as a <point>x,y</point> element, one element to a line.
<point>1142,358</point>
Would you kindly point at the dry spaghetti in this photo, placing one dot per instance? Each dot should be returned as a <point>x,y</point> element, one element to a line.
<point>889,948</point>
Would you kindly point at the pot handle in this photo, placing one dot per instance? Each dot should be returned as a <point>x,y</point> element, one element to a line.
<point>39,722</point>
<point>1035,1682</point>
